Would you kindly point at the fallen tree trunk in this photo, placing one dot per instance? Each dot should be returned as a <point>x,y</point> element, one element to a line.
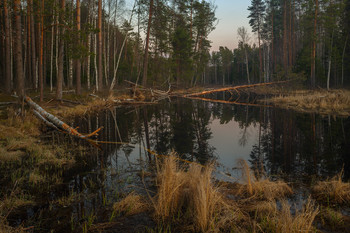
<point>234,88</point>
<point>228,102</point>
<point>56,123</point>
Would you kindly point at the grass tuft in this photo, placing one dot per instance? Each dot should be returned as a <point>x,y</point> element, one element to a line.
<point>282,221</point>
<point>262,188</point>
<point>191,194</point>
<point>130,205</point>
<point>333,191</point>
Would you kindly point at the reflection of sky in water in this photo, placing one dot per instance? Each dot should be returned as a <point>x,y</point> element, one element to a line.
<point>226,139</point>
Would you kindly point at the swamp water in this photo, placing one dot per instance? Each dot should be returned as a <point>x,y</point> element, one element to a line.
<point>298,148</point>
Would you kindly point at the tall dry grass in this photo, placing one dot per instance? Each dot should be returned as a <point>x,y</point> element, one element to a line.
<point>281,220</point>
<point>324,102</point>
<point>332,191</point>
<point>192,195</point>
<point>261,188</point>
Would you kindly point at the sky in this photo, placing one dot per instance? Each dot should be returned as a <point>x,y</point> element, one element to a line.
<point>231,14</point>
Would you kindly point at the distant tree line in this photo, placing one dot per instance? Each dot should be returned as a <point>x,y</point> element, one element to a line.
<point>96,44</point>
<point>306,39</point>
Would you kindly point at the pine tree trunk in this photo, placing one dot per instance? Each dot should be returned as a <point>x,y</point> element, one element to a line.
<point>247,65</point>
<point>313,53</point>
<point>78,63</point>
<point>330,61</point>
<point>145,64</point>
<point>342,61</point>
<point>61,52</point>
<point>285,46</point>
<point>33,45</point>
<point>18,49</point>
<point>100,71</point>
<point>41,26</point>
<point>7,49</point>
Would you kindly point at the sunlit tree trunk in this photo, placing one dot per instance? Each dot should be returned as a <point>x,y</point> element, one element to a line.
<point>145,64</point>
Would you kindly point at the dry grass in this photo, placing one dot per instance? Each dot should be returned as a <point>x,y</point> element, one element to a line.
<point>282,221</point>
<point>130,205</point>
<point>332,191</point>
<point>324,102</point>
<point>192,195</point>
<point>262,188</point>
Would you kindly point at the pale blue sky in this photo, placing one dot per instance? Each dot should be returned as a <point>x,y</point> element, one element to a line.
<point>232,14</point>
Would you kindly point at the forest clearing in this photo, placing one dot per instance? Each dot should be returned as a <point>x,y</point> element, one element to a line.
<point>136,116</point>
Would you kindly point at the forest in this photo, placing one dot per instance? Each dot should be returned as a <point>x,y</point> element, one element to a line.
<point>120,116</point>
<point>95,45</point>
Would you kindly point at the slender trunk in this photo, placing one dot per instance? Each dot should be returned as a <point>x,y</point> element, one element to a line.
<point>100,71</point>
<point>78,63</point>
<point>120,53</point>
<point>33,45</point>
<point>272,41</point>
<point>330,61</point>
<point>290,44</point>
<point>247,65</point>
<point>18,49</point>
<point>145,64</point>
<point>51,51</point>
<point>342,61</point>
<point>285,49</point>
<point>41,26</point>
<point>313,52</point>
<point>61,52</point>
<point>7,49</point>
<point>89,48</point>
<point>260,56</point>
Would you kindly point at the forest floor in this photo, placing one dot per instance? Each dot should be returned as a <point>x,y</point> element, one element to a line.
<point>31,165</point>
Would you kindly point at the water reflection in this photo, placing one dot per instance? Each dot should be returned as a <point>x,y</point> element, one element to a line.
<point>282,142</point>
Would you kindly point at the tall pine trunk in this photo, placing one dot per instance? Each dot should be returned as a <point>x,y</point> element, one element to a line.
<point>7,49</point>
<point>313,51</point>
<point>18,49</point>
<point>61,52</point>
<point>145,64</point>
<point>41,27</point>
<point>78,63</point>
<point>100,71</point>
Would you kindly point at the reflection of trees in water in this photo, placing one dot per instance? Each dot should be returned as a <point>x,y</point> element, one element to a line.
<point>300,144</point>
<point>291,143</point>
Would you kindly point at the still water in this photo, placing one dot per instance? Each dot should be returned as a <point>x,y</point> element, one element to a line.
<point>282,142</point>
<point>296,147</point>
